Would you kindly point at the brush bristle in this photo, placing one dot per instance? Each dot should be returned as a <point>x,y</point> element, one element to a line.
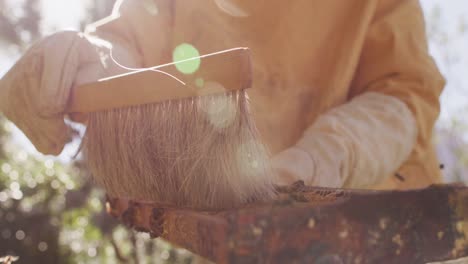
<point>201,153</point>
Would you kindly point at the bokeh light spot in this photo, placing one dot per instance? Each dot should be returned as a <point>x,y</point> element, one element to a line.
<point>165,255</point>
<point>6,168</point>
<point>14,175</point>
<point>76,247</point>
<point>249,158</point>
<point>21,156</point>
<point>14,186</point>
<point>55,184</point>
<point>3,197</point>
<point>151,7</point>
<point>184,52</point>
<point>42,246</point>
<point>17,195</point>
<point>220,109</point>
<point>31,183</point>
<point>49,164</point>
<point>82,221</point>
<point>20,235</point>
<point>70,185</point>
<point>200,82</point>
<point>92,252</point>
<point>54,221</point>
<point>50,172</point>
<point>40,178</point>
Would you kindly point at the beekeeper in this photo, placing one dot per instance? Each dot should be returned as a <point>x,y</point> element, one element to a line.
<point>345,93</point>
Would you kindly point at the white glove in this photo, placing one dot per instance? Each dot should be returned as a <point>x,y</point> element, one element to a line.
<point>291,165</point>
<point>294,164</point>
<point>35,92</point>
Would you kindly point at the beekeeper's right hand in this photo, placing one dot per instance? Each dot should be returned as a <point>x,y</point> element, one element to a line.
<point>35,92</point>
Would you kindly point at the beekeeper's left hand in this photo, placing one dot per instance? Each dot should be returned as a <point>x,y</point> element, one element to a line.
<point>291,165</point>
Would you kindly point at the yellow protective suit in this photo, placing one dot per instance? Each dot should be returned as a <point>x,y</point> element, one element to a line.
<point>345,92</point>
<point>310,57</point>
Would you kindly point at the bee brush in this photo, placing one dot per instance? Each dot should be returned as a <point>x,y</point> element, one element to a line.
<point>188,142</point>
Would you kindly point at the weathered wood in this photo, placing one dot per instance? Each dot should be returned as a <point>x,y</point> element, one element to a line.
<point>318,225</point>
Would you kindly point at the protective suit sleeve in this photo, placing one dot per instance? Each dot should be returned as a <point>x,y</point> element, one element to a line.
<point>358,143</point>
<point>395,104</point>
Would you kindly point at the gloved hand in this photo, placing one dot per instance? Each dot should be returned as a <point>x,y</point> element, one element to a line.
<point>291,165</point>
<point>35,92</point>
<point>295,164</point>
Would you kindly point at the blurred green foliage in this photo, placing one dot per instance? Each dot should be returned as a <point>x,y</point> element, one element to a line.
<point>51,213</point>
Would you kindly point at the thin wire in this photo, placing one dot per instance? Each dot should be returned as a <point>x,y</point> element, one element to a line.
<point>155,68</point>
<point>135,70</point>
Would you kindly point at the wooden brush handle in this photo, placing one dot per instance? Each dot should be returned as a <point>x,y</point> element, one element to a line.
<point>231,69</point>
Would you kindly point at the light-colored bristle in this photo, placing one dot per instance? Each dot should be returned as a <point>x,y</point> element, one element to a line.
<point>201,153</point>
